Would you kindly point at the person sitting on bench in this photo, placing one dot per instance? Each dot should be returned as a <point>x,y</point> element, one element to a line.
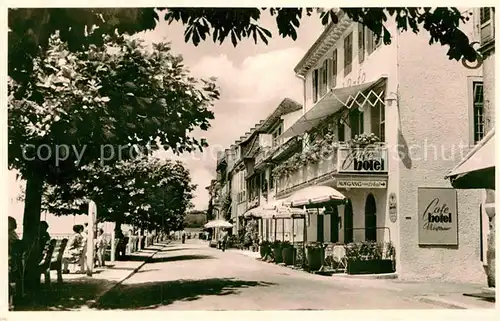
<point>74,252</point>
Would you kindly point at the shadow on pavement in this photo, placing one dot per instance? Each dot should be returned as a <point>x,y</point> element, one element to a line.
<point>155,294</point>
<point>180,258</point>
<point>168,259</point>
<point>174,249</point>
<point>71,295</point>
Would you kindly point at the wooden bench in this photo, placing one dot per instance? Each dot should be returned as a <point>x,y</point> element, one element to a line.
<point>16,271</point>
<point>52,260</point>
<point>44,264</point>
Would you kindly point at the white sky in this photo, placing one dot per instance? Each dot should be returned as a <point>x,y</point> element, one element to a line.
<point>253,79</point>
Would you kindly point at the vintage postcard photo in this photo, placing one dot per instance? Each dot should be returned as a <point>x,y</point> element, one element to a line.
<point>250,158</point>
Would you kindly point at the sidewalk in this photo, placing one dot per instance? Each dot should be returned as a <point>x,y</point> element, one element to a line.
<point>254,255</point>
<point>80,292</point>
<point>445,295</point>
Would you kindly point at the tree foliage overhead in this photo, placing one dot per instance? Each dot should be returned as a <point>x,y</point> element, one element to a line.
<point>31,28</point>
<point>146,192</point>
<point>116,94</point>
<point>443,24</point>
<point>96,106</point>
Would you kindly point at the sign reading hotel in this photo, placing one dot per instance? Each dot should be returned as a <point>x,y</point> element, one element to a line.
<point>362,160</point>
<point>361,184</point>
<point>437,216</point>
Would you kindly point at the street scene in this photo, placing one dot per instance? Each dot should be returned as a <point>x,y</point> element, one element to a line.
<point>251,159</point>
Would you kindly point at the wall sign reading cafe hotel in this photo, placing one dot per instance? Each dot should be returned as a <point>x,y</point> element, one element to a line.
<point>362,160</point>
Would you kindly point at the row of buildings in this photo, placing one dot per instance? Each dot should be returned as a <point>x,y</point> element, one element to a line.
<point>419,112</point>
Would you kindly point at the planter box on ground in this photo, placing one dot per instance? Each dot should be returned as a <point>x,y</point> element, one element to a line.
<point>314,258</point>
<point>369,266</point>
<point>288,253</point>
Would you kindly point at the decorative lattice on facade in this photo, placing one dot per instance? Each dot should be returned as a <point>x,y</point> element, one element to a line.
<point>361,99</point>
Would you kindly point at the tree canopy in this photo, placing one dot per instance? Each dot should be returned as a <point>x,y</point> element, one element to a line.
<point>146,192</point>
<point>96,106</point>
<point>31,27</point>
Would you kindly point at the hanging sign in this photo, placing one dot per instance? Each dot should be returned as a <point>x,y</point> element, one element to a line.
<point>437,216</point>
<point>362,160</point>
<point>361,184</point>
<point>393,214</point>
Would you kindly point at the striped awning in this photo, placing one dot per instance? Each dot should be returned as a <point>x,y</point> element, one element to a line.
<point>333,101</point>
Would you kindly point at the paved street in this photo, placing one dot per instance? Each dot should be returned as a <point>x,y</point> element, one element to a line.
<point>193,276</point>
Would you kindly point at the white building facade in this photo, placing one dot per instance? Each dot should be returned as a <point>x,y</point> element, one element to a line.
<point>421,106</point>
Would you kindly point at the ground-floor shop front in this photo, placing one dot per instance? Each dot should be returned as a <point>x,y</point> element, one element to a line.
<point>435,233</point>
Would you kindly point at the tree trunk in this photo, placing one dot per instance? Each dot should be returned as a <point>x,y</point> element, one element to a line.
<point>31,223</point>
<point>118,229</point>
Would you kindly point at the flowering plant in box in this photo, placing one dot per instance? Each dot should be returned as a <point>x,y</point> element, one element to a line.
<point>364,140</point>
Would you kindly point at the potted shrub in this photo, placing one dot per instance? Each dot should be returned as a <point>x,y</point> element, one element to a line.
<point>314,256</point>
<point>264,248</point>
<point>367,258</point>
<point>288,253</point>
<point>276,248</point>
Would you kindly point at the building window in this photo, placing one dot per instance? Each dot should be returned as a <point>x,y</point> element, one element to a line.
<point>315,85</point>
<point>340,129</point>
<point>276,133</point>
<point>356,122</point>
<point>478,110</point>
<point>271,178</point>
<point>323,85</point>
<point>242,186</point>
<point>334,69</point>
<point>486,24</point>
<point>361,42</point>
<point>371,42</point>
<point>348,54</point>
<point>378,120</point>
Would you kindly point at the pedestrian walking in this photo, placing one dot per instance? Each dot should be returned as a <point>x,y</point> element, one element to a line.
<point>224,237</point>
<point>183,237</point>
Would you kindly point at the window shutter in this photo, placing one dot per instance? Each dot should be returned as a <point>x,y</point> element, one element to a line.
<point>315,85</point>
<point>330,74</point>
<point>327,74</point>
<point>361,43</point>
<point>334,69</point>
<point>369,41</point>
<point>348,54</point>
<point>486,18</point>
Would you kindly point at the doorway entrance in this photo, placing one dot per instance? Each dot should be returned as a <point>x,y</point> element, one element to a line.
<point>370,218</point>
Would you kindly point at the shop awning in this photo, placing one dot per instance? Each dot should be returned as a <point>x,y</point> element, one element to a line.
<point>218,223</point>
<point>274,209</point>
<point>477,168</point>
<point>314,195</point>
<point>284,212</point>
<point>332,102</point>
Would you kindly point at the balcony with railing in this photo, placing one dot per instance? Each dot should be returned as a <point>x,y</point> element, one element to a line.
<point>321,162</point>
<point>303,174</point>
